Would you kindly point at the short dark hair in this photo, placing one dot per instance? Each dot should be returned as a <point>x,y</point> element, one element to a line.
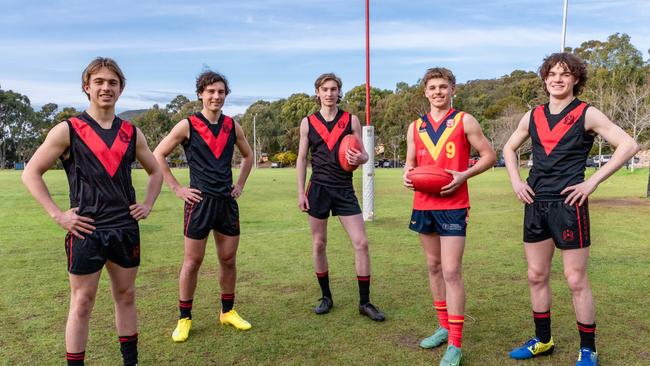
<point>210,77</point>
<point>572,63</point>
<point>439,73</point>
<point>95,65</point>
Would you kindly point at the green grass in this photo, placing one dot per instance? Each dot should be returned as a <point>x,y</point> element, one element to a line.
<point>277,289</point>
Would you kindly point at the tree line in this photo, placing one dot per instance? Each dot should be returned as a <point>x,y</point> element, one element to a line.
<point>619,85</point>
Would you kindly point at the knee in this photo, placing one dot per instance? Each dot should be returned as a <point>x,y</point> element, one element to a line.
<point>537,277</point>
<point>82,304</point>
<point>434,267</point>
<point>228,261</point>
<point>319,245</point>
<point>192,264</point>
<point>125,295</point>
<point>453,274</point>
<point>577,280</point>
<point>361,245</point>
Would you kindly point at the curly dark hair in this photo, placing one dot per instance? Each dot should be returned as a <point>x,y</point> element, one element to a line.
<point>569,61</point>
<point>210,77</point>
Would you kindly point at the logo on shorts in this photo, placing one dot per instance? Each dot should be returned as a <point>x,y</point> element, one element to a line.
<point>567,235</point>
<point>226,128</point>
<point>136,251</point>
<point>413,222</point>
<point>123,136</point>
<point>451,123</point>
<point>452,227</point>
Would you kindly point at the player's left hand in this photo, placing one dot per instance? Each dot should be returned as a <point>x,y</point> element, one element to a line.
<point>236,191</point>
<point>140,211</point>
<point>579,192</point>
<point>355,157</point>
<point>457,181</point>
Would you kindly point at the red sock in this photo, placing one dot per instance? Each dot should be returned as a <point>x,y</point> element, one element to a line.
<point>441,310</point>
<point>456,329</point>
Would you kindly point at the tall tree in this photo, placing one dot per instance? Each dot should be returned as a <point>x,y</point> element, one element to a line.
<point>16,126</point>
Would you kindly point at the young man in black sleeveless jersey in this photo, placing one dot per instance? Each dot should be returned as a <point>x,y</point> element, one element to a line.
<point>97,150</point>
<point>209,138</point>
<point>330,189</point>
<point>556,196</point>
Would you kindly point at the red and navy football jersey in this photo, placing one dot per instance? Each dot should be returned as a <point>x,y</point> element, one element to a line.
<point>560,149</point>
<point>324,140</point>
<point>442,144</point>
<point>209,151</point>
<point>99,170</point>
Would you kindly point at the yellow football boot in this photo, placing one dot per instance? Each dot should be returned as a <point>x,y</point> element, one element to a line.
<point>182,330</point>
<point>232,318</point>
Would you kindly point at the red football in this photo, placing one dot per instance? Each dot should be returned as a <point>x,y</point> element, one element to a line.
<point>349,141</point>
<point>429,179</point>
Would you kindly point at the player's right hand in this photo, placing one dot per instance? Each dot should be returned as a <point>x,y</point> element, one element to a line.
<point>523,191</point>
<point>407,182</point>
<point>74,223</point>
<point>189,195</point>
<point>303,203</point>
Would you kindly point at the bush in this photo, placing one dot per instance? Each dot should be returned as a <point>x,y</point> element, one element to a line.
<point>287,158</point>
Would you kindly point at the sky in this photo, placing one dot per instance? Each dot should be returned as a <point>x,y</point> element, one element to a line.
<point>270,49</point>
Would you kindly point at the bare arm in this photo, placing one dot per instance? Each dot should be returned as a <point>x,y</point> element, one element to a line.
<point>301,164</point>
<point>411,162</point>
<point>145,157</point>
<point>477,139</point>
<point>524,193</point>
<point>625,148</point>
<point>55,144</point>
<point>176,136</point>
<point>357,157</point>
<point>246,161</point>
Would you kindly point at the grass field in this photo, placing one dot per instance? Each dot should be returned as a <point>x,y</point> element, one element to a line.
<point>277,288</point>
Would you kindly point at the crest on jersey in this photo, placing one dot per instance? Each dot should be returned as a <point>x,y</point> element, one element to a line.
<point>123,136</point>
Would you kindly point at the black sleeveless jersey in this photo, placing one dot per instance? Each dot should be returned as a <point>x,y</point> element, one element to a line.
<point>209,154</point>
<point>324,140</point>
<point>560,149</point>
<point>99,170</point>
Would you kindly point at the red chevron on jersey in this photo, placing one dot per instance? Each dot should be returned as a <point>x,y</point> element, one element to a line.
<point>330,137</point>
<point>550,138</point>
<point>109,157</point>
<point>218,143</point>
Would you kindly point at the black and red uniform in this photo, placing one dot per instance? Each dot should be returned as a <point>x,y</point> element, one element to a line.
<point>561,146</point>
<point>330,187</point>
<point>209,151</point>
<point>99,175</point>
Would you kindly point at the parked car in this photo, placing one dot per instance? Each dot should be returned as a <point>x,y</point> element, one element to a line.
<point>591,163</point>
<point>602,159</point>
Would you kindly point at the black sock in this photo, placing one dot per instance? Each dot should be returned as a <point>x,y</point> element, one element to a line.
<point>364,289</point>
<point>227,302</point>
<point>542,325</point>
<point>185,307</point>
<point>587,335</point>
<point>129,349</point>
<point>75,359</point>
<point>324,282</point>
